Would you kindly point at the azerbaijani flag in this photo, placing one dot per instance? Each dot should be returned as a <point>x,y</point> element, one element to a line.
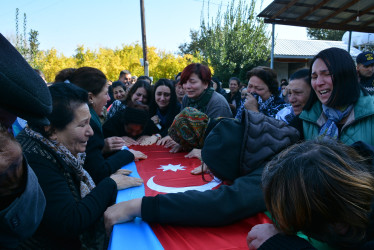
<point>164,172</point>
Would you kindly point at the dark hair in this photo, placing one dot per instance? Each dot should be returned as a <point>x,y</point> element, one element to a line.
<point>124,72</point>
<point>312,186</point>
<point>346,89</point>
<point>301,74</point>
<point>217,81</point>
<point>283,82</point>
<point>118,84</point>
<point>90,79</point>
<point>178,75</point>
<point>145,78</point>
<point>139,84</point>
<point>173,97</point>
<point>202,71</point>
<point>235,79</point>
<point>268,76</point>
<point>64,74</point>
<point>135,113</point>
<point>66,98</point>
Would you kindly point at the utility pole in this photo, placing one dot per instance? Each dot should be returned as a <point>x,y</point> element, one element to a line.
<point>144,39</point>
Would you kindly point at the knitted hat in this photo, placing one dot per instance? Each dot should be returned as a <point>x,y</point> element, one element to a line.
<point>188,128</point>
<point>23,91</point>
<point>222,148</point>
<point>135,116</point>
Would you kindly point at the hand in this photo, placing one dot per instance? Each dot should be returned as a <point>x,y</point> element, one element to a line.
<point>129,141</point>
<point>164,140</point>
<point>195,153</point>
<point>251,103</point>
<point>123,181</point>
<point>123,171</point>
<point>155,119</point>
<point>199,169</point>
<point>170,143</point>
<point>113,144</point>
<point>138,155</point>
<point>176,148</point>
<point>147,140</point>
<point>259,234</point>
<point>122,212</point>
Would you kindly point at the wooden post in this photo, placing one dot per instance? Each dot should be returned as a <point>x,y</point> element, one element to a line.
<point>144,39</point>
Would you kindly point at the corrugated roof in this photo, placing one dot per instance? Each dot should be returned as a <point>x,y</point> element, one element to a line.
<point>285,48</point>
<point>351,15</point>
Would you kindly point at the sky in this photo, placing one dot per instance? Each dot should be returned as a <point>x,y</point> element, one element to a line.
<point>64,25</point>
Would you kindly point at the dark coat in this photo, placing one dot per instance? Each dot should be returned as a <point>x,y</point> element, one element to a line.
<point>64,218</point>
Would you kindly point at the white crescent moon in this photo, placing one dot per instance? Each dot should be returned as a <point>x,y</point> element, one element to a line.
<point>152,185</point>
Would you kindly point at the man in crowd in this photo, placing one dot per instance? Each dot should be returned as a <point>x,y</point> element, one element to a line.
<point>24,94</point>
<point>365,70</point>
<point>125,77</point>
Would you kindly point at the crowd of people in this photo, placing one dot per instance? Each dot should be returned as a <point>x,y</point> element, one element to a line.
<point>301,149</point>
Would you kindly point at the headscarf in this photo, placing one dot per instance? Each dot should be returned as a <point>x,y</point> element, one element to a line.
<point>333,116</point>
<point>189,127</point>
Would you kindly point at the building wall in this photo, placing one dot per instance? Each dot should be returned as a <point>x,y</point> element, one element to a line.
<point>285,70</point>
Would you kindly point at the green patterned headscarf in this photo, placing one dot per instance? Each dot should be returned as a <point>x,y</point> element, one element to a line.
<point>189,127</point>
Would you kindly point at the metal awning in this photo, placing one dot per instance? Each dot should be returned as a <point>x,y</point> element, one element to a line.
<point>350,15</point>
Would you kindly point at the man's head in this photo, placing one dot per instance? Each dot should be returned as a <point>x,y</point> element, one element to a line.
<point>125,77</point>
<point>365,64</point>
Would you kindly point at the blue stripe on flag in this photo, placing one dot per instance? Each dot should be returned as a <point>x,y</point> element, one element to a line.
<point>135,234</point>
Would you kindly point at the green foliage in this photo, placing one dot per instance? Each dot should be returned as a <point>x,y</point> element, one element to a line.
<point>325,34</point>
<point>232,43</point>
<point>111,62</point>
<point>27,47</point>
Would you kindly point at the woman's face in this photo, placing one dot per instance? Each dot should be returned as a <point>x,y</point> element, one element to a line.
<point>100,100</point>
<point>162,96</point>
<point>321,81</point>
<point>140,95</point>
<point>259,87</point>
<point>194,87</point>
<point>75,135</point>
<point>298,94</point>
<point>119,93</point>
<point>179,90</point>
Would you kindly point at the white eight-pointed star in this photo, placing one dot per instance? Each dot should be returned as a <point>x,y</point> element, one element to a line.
<point>172,167</point>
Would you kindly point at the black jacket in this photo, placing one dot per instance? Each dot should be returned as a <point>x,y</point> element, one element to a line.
<point>64,218</point>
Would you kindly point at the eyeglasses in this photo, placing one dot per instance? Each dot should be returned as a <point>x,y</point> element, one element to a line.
<point>205,171</point>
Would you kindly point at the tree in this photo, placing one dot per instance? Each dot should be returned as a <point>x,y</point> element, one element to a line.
<point>325,34</point>
<point>232,43</point>
<point>111,62</point>
<point>33,45</point>
<point>27,47</point>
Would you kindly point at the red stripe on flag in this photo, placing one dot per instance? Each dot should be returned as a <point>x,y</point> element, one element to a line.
<point>182,237</point>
